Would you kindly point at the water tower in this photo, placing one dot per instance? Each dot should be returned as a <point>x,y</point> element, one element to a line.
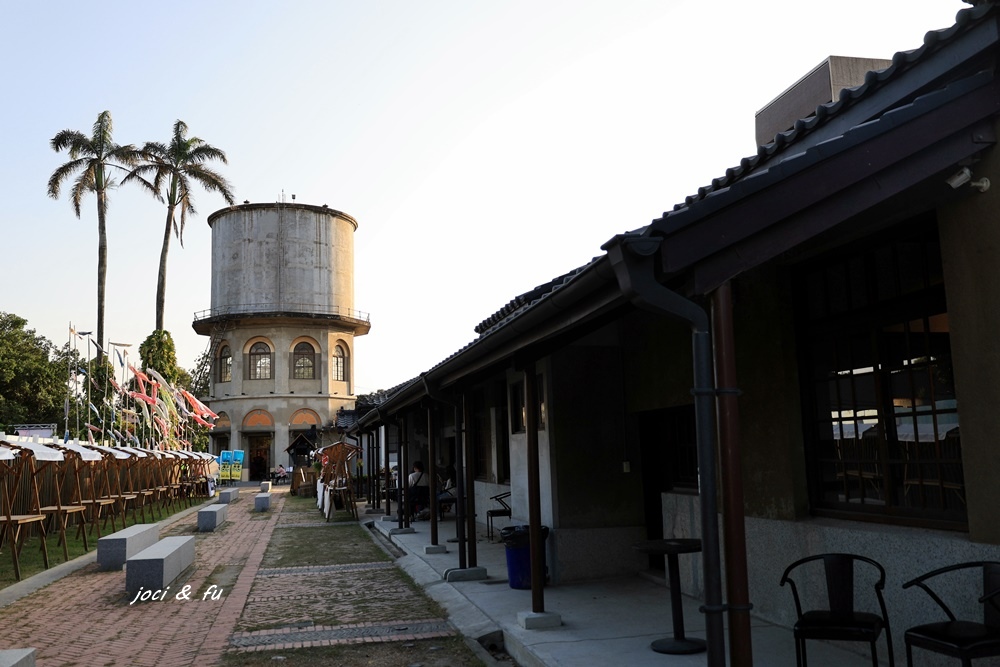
<point>281,326</point>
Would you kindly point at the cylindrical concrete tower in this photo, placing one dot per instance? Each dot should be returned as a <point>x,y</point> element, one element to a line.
<point>282,327</point>
<point>283,258</point>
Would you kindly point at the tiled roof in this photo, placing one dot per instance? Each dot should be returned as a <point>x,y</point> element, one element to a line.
<point>526,299</point>
<point>901,61</point>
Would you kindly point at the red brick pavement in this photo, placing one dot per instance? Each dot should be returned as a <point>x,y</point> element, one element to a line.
<point>86,618</point>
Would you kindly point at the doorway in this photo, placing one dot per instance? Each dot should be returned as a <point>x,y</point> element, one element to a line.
<point>260,456</point>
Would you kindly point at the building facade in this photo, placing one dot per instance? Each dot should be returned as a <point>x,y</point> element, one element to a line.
<point>282,327</point>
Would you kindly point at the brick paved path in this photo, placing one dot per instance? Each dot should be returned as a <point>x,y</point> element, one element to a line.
<point>86,619</point>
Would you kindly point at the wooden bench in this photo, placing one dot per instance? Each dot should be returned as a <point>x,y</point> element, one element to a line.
<point>211,517</point>
<point>156,567</point>
<point>229,495</point>
<point>114,549</point>
<point>262,502</point>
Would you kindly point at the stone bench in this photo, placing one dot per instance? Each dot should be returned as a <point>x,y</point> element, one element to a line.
<point>211,517</point>
<point>262,502</point>
<point>156,567</point>
<point>114,549</point>
<point>17,657</point>
<point>229,495</point>
<point>265,487</point>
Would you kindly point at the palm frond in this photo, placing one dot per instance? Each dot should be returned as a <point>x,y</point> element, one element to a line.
<point>62,173</point>
<point>68,139</point>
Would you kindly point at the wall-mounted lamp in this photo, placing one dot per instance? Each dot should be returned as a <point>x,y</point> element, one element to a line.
<point>963,176</point>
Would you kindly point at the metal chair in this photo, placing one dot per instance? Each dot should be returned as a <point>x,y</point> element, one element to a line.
<point>839,620</point>
<point>965,640</point>
<point>504,510</point>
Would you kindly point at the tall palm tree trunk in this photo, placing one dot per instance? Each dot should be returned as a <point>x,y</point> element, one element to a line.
<point>161,276</point>
<point>102,269</point>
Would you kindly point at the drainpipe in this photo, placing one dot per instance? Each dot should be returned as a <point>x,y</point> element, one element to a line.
<point>633,260</point>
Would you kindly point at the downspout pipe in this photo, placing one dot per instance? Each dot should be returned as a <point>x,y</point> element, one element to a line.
<point>633,260</point>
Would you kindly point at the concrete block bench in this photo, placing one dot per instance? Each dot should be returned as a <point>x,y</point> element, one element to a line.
<point>156,567</point>
<point>262,502</point>
<point>17,657</point>
<point>265,487</point>
<point>114,549</point>
<point>211,517</point>
<point>229,495</point>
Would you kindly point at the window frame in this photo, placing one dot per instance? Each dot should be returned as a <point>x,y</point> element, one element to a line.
<point>303,359</point>
<point>258,360</point>
<point>878,390</point>
<point>225,373</point>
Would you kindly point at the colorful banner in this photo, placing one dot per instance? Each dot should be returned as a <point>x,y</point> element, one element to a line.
<point>226,465</point>
<point>237,471</point>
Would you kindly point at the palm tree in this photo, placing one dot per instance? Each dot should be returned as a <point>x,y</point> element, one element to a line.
<point>174,168</point>
<point>93,160</point>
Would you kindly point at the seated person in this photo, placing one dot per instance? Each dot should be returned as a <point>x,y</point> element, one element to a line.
<point>280,474</point>
<point>419,488</point>
<point>446,498</point>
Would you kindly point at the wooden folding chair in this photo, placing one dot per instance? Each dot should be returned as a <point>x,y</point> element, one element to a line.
<point>49,469</point>
<point>96,492</point>
<point>14,508</point>
<point>139,479</point>
<point>76,459</point>
<point>118,462</point>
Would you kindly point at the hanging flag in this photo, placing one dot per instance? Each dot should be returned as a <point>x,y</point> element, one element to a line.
<point>96,412</point>
<point>121,362</point>
<point>142,397</point>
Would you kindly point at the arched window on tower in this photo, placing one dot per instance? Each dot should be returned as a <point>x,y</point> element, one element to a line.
<point>304,362</point>
<point>259,366</point>
<point>225,364</point>
<point>339,363</point>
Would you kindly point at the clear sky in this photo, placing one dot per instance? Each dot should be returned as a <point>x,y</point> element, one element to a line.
<point>483,147</point>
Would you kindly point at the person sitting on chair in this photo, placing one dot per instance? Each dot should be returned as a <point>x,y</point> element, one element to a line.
<point>446,498</point>
<point>419,488</point>
<point>281,475</point>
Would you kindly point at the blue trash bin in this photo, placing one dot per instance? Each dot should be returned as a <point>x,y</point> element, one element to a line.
<point>517,541</point>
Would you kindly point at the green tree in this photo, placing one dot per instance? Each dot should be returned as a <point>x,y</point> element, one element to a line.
<point>175,168</point>
<point>93,160</point>
<point>158,352</point>
<point>33,375</point>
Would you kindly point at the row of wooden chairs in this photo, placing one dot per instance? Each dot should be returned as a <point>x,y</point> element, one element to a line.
<point>50,486</point>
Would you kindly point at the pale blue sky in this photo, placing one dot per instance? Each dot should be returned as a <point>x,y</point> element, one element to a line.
<point>483,147</point>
